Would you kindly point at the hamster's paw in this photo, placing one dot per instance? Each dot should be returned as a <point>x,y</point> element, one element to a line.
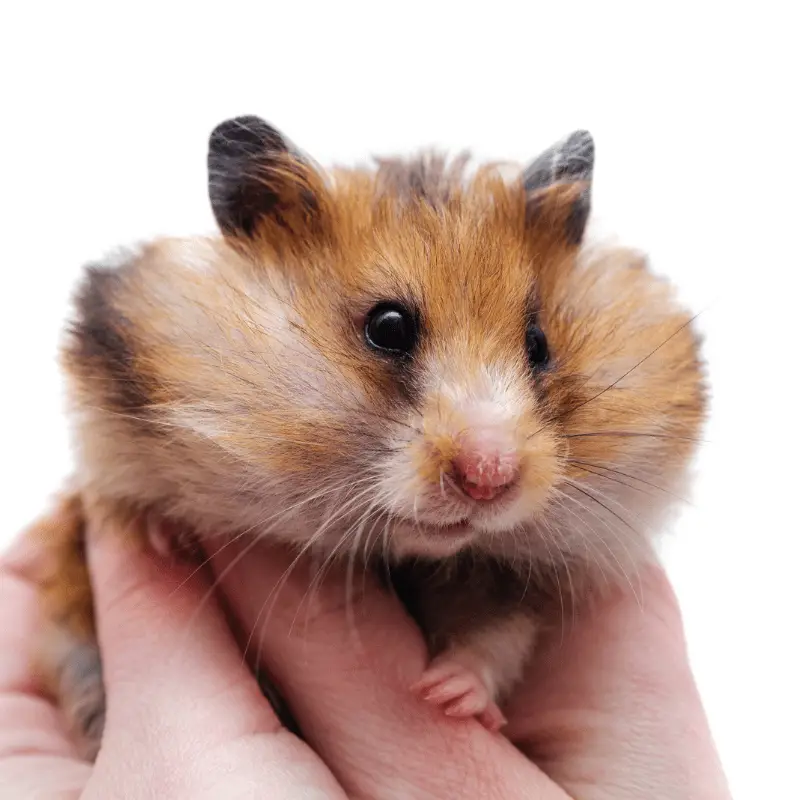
<point>460,691</point>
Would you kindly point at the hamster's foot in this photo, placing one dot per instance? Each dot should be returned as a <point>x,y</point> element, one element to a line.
<point>460,691</point>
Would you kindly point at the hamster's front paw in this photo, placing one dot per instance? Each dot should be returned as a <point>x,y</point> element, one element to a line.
<point>456,681</point>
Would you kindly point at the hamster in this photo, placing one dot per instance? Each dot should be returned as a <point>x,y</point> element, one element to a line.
<point>414,365</point>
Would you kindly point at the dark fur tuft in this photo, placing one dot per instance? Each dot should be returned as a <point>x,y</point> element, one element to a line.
<point>431,178</point>
<point>102,344</point>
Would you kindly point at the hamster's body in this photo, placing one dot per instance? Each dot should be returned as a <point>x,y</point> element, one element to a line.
<point>407,364</point>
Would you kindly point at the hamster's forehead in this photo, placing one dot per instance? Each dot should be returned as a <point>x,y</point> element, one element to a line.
<point>455,248</point>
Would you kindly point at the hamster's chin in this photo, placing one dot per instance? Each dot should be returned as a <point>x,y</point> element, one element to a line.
<point>430,539</point>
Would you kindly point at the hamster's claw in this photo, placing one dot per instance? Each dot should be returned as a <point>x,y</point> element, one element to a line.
<point>460,692</point>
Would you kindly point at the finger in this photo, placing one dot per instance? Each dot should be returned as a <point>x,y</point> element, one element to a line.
<point>165,646</point>
<point>346,673</point>
<point>180,699</point>
<point>610,709</point>
<point>35,754</point>
<point>19,624</point>
<point>22,558</point>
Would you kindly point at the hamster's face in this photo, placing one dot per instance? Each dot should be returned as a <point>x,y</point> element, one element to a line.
<point>416,361</point>
<point>502,388</point>
<point>472,372</point>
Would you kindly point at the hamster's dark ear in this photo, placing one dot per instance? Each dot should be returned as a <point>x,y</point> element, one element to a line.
<point>260,187</point>
<point>558,187</point>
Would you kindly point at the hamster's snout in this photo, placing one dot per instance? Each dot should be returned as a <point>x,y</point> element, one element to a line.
<point>485,465</point>
<point>478,462</point>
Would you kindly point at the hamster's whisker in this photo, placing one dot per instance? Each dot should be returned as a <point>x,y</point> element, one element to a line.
<point>127,415</point>
<point>614,514</point>
<point>207,560</point>
<point>622,508</point>
<point>272,596</point>
<point>516,532</point>
<point>214,584</point>
<point>551,533</point>
<point>597,494</point>
<point>593,555</point>
<point>414,509</point>
<point>451,483</point>
<point>565,547</point>
<point>349,584</point>
<point>568,412</point>
<point>592,468</point>
<point>633,433</point>
<point>386,548</point>
<point>342,484</point>
<point>276,519</point>
<point>365,561</point>
<point>337,514</point>
<point>368,552</point>
<point>634,367</point>
<point>383,417</point>
<point>245,532</point>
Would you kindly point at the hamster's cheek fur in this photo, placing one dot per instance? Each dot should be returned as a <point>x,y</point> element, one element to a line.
<point>637,357</point>
<point>628,397</point>
<point>237,416</point>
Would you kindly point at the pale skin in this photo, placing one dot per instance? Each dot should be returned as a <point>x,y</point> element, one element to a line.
<point>610,711</point>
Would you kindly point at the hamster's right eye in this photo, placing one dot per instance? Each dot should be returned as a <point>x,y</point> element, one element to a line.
<point>391,328</point>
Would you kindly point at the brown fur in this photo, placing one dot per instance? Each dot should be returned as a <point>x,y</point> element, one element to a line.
<point>65,590</point>
<point>222,382</point>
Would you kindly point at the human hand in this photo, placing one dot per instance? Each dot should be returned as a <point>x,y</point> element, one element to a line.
<point>610,712</point>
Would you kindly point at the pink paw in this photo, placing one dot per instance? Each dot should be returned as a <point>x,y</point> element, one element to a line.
<point>460,692</point>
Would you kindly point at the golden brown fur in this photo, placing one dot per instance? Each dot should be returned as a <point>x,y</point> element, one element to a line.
<point>224,382</point>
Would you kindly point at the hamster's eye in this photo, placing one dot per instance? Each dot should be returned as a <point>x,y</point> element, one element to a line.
<point>391,328</point>
<point>536,344</point>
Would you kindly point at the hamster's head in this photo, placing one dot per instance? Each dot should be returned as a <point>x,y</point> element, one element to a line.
<point>473,372</point>
<point>419,358</point>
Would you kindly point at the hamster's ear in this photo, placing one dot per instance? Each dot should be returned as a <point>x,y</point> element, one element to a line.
<point>261,188</point>
<point>558,186</point>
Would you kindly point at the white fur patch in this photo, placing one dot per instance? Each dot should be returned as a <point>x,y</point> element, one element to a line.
<point>488,397</point>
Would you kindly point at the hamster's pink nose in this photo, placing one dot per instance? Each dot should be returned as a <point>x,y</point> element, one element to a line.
<point>485,471</point>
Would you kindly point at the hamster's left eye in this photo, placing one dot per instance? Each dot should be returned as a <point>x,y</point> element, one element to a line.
<point>391,328</point>
<point>536,345</point>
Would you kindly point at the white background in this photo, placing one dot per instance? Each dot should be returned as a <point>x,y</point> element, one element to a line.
<point>105,113</point>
